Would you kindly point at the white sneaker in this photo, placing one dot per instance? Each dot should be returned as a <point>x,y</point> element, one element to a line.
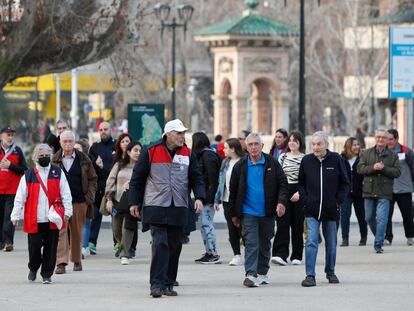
<point>124,261</point>
<point>410,242</point>
<point>85,252</point>
<point>279,261</point>
<point>296,262</point>
<point>236,261</point>
<point>262,279</point>
<point>251,281</point>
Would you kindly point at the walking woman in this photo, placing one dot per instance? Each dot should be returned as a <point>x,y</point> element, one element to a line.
<point>123,224</point>
<point>350,155</point>
<point>280,143</point>
<point>292,220</point>
<point>209,163</point>
<point>121,146</point>
<point>233,152</point>
<point>31,198</point>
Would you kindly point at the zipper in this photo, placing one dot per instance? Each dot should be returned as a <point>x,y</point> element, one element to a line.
<point>321,181</point>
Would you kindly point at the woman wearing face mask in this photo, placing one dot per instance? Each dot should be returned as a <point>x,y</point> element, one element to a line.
<point>123,224</point>
<point>31,198</point>
<point>279,143</point>
<point>292,220</point>
<point>350,156</point>
<point>233,152</point>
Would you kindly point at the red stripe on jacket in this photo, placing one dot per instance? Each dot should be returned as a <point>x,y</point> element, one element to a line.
<point>9,180</point>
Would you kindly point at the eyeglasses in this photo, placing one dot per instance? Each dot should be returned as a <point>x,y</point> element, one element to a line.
<point>44,156</point>
<point>62,128</point>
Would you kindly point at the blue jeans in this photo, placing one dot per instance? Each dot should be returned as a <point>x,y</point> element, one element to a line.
<point>86,232</point>
<point>376,215</point>
<point>208,232</point>
<point>257,233</point>
<point>329,230</point>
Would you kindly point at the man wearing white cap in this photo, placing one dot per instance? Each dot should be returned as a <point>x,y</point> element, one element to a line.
<point>159,193</point>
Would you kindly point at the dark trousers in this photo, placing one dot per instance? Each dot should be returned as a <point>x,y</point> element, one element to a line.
<point>48,239</point>
<point>346,211</point>
<point>404,203</point>
<point>166,250</point>
<point>291,221</point>
<point>6,226</point>
<point>97,218</point>
<point>234,232</point>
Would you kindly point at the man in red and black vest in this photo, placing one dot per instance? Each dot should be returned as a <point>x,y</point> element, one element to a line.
<point>159,192</point>
<point>12,167</point>
<point>36,203</point>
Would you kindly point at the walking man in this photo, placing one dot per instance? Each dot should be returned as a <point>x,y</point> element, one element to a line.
<point>323,185</point>
<point>159,193</point>
<point>82,178</point>
<point>101,154</point>
<point>258,191</point>
<point>380,166</point>
<point>12,167</point>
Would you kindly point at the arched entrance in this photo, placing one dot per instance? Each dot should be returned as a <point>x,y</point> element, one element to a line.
<point>262,103</point>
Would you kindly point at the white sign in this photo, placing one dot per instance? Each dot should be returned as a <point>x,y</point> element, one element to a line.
<point>401,68</point>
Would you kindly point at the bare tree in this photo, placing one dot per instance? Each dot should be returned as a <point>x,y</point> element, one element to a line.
<point>58,35</point>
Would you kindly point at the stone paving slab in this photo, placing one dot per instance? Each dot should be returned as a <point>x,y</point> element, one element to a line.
<point>368,281</point>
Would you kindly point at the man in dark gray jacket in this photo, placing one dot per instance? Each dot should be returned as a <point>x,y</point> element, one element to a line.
<point>379,166</point>
<point>403,187</point>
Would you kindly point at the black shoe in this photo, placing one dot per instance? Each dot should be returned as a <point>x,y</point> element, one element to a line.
<point>387,241</point>
<point>8,248</point>
<point>309,281</point>
<point>201,258</point>
<point>185,239</point>
<point>210,259</point>
<point>345,242</point>
<point>363,241</point>
<point>378,249</point>
<point>156,292</point>
<point>47,281</point>
<point>32,275</point>
<point>176,283</point>
<point>332,278</point>
<point>169,292</point>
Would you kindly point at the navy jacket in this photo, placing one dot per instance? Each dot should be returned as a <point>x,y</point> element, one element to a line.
<point>209,163</point>
<point>354,178</point>
<point>105,150</point>
<point>275,184</point>
<point>323,203</point>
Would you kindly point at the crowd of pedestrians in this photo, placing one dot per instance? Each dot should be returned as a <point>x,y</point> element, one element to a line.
<point>62,197</point>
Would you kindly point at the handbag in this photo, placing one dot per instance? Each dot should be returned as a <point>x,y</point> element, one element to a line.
<point>56,213</point>
<point>122,205</point>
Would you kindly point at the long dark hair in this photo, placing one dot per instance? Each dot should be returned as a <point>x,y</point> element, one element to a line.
<point>347,152</point>
<point>299,138</point>
<point>285,135</point>
<point>234,143</point>
<point>118,150</point>
<point>125,161</point>
<point>200,141</point>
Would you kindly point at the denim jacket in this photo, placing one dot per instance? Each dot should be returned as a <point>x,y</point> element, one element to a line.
<point>222,181</point>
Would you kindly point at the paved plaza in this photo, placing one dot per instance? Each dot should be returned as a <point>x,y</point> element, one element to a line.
<point>368,281</point>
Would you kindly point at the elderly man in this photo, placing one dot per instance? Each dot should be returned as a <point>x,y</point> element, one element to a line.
<point>12,167</point>
<point>101,154</point>
<point>323,185</point>
<point>380,166</point>
<point>159,192</point>
<point>31,198</point>
<point>54,141</point>
<point>258,191</point>
<point>82,179</point>
<point>403,187</point>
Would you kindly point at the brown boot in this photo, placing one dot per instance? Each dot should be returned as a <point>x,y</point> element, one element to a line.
<point>60,269</point>
<point>77,266</point>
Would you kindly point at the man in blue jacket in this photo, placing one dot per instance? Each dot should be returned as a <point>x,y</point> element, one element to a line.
<point>323,184</point>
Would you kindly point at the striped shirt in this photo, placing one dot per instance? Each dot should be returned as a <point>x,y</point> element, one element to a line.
<point>290,164</point>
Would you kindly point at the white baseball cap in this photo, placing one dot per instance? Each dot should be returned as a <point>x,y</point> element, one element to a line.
<point>174,125</point>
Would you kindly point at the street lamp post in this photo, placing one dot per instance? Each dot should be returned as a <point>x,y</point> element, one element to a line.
<point>162,12</point>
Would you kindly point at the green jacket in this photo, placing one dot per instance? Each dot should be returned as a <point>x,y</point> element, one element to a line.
<point>378,184</point>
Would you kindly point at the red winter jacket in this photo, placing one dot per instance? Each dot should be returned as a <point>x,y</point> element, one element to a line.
<point>10,178</point>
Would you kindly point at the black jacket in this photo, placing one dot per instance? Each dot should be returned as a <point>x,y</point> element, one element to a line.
<point>323,204</point>
<point>105,150</point>
<point>209,163</point>
<point>275,184</point>
<point>354,178</point>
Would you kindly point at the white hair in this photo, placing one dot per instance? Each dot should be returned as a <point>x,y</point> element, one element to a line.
<point>38,149</point>
<point>255,135</point>
<point>68,133</point>
<point>322,135</point>
<point>381,129</point>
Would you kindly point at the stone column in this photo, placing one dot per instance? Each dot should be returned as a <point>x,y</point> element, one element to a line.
<point>221,106</point>
<point>238,123</point>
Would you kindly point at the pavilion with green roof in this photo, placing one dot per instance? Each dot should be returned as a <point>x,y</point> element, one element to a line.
<point>250,72</point>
